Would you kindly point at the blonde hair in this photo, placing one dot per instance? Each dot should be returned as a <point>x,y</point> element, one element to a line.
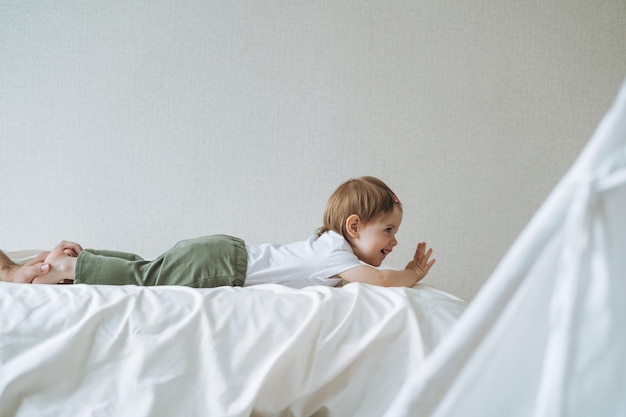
<point>367,197</point>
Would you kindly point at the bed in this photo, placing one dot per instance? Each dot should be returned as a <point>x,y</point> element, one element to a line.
<point>269,350</point>
<point>545,336</point>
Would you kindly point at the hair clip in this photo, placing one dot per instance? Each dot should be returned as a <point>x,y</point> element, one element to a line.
<point>395,199</point>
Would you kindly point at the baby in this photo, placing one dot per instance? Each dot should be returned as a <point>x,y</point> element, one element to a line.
<point>361,220</point>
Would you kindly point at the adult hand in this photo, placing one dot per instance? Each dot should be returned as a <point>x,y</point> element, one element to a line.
<point>30,270</point>
<point>36,267</point>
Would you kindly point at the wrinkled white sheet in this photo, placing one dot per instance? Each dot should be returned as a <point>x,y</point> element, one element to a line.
<point>546,335</point>
<point>78,350</point>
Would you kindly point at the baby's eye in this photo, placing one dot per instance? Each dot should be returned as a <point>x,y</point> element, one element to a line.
<point>388,230</point>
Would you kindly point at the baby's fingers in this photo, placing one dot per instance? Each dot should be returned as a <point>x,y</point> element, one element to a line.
<point>419,252</point>
<point>429,265</point>
<point>420,256</point>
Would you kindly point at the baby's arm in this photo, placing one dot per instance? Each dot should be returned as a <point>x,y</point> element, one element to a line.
<point>409,276</point>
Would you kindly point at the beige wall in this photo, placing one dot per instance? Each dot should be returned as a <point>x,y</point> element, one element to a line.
<point>131,125</point>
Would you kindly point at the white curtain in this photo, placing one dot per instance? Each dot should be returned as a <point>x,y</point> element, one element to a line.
<point>546,336</point>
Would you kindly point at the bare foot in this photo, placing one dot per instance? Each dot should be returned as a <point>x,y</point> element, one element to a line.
<point>62,263</point>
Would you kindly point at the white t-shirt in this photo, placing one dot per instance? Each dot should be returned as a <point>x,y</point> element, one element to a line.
<point>315,261</point>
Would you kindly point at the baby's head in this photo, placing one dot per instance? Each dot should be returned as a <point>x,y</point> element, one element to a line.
<point>367,197</point>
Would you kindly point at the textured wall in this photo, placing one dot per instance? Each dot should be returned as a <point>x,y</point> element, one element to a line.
<point>130,125</point>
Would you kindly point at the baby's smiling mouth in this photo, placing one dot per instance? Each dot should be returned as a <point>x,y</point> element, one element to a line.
<point>386,252</point>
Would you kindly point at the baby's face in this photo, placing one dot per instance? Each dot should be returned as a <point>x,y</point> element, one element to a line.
<point>377,238</point>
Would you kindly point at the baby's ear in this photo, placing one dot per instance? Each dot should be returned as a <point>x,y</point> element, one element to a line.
<point>353,223</point>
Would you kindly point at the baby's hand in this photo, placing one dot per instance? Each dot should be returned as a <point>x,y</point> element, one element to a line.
<point>420,264</point>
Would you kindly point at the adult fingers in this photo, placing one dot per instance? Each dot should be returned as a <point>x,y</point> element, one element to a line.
<point>39,258</point>
<point>31,270</point>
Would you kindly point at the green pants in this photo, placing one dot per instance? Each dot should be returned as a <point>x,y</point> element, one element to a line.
<point>210,261</point>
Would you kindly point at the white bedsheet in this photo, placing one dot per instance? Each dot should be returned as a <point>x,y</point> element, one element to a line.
<point>546,335</point>
<point>78,350</point>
